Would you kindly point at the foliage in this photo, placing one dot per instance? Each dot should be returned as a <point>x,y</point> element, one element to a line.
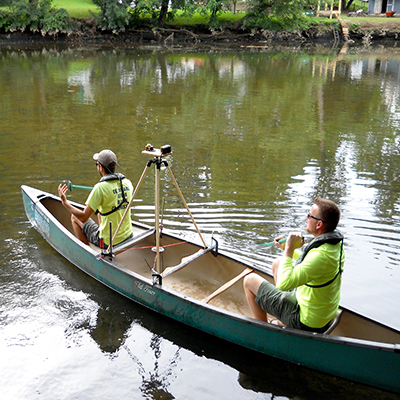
<point>120,14</point>
<point>35,16</point>
<point>147,9</point>
<point>215,8</point>
<point>113,14</point>
<point>354,27</point>
<point>56,21</point>
<point>277,15</point>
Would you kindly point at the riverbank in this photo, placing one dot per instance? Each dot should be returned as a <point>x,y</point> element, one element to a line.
<point>359,30</point>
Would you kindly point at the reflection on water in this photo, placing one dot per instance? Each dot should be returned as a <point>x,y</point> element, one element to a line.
<point>256,135</point>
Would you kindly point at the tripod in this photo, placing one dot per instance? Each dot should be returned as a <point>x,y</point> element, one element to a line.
<point>158,161</point>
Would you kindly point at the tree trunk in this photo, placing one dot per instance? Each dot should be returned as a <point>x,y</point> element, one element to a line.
<point>163,13</point>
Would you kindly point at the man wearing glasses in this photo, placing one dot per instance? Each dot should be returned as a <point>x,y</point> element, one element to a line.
<point>109,199</point>
<point>307,295</point>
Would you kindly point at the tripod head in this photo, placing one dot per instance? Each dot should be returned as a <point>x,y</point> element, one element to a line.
<point>162,152</point>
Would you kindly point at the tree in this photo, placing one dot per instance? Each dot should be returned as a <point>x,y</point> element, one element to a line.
<point>113,14</point>
<point>277,14</point>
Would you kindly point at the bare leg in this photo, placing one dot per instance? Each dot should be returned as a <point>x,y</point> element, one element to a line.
<point>275,266</point>
<point>77,226</point>
<point>251,284</point>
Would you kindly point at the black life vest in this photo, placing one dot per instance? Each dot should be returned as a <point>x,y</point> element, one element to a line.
<point>113,177</point>
<point>331,238</point>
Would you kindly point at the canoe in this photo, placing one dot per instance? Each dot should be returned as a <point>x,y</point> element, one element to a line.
<point>202,286</point>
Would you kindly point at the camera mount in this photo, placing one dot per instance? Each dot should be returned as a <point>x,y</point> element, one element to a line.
<point>158,161</point>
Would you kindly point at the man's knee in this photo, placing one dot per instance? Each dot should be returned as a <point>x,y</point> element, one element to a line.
<point>275,264</point>
<point>75,221</point>
<point>252,282</point>
<point>275,267</point>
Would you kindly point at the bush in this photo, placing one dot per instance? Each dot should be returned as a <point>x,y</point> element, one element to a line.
<point>113,14</point>
<point>56,21</point>
<point>38,16</point>
<point>144,8</point>
<point>276,15</point>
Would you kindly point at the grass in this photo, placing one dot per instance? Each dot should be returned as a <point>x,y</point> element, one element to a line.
<point>202,19</point>
<point>77,8</point>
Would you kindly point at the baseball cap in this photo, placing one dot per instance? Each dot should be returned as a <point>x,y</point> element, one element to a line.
<point>105,158</point>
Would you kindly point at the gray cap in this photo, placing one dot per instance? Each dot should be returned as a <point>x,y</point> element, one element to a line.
<point>105,158</point>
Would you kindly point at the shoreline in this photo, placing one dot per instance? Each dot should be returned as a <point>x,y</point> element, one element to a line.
<point>357,33</point>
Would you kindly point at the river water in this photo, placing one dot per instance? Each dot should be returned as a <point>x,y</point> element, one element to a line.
<point>256,134</point>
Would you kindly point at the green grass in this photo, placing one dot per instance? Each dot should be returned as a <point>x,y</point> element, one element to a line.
<point>77,8</point>
<point>201,19</point>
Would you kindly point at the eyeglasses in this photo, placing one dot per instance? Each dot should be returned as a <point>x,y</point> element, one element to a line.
<point>97,164</point>
<point>312,216</point>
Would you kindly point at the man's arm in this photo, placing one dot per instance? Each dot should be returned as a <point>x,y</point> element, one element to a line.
<point>82,215</point>
<point>287,277</point>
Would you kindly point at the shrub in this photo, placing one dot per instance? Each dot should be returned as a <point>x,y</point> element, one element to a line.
<point>40,16</point>
<point>276,15</point>
<point>113,15</point>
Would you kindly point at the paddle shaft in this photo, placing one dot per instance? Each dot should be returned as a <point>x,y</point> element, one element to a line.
<point>271,243</point>
<point>227,285</point>
<point>71,186</point>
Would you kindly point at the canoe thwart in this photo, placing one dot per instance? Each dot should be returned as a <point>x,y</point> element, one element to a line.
<point>227,285</point>
<point>126,244</point>
<point>186,260</point>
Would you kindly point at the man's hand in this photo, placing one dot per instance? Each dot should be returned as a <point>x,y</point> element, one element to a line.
<point>294,241</point>
<point>62,191</point>
<point>280,245</point>
<point>81,215</point>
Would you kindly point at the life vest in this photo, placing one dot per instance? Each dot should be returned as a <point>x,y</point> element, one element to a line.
<point>113,177</point>
<point>331,238</point>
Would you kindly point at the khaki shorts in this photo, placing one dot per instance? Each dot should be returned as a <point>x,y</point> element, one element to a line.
<point>284,306</point>
<point>91,231</point>
<point>281,305</point>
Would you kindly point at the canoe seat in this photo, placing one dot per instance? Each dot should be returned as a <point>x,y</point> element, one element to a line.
<point>334,323</point>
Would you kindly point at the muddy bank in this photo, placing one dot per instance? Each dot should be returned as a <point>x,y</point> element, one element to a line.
<point>358,32</point>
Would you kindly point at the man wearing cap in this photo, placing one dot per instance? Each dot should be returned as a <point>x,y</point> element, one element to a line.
<point>109,199</point>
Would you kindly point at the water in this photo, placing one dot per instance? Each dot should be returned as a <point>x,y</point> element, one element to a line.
<point>256,135</point>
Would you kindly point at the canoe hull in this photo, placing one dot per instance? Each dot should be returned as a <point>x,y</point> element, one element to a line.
<point>376,364</point>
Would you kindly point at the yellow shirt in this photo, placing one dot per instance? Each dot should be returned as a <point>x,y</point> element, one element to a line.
<point>317,305</point>
<point>104,197</point>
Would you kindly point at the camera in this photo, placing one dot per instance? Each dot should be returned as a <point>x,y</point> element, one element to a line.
<point>166,149</point>
<point>163,151</point>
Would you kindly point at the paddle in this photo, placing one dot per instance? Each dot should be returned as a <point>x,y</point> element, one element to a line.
<point>70,186</point>
<point>271,243</point>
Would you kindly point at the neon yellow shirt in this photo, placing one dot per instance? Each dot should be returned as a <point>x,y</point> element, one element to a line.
<point>106,195</point>
<point>317,305</point>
